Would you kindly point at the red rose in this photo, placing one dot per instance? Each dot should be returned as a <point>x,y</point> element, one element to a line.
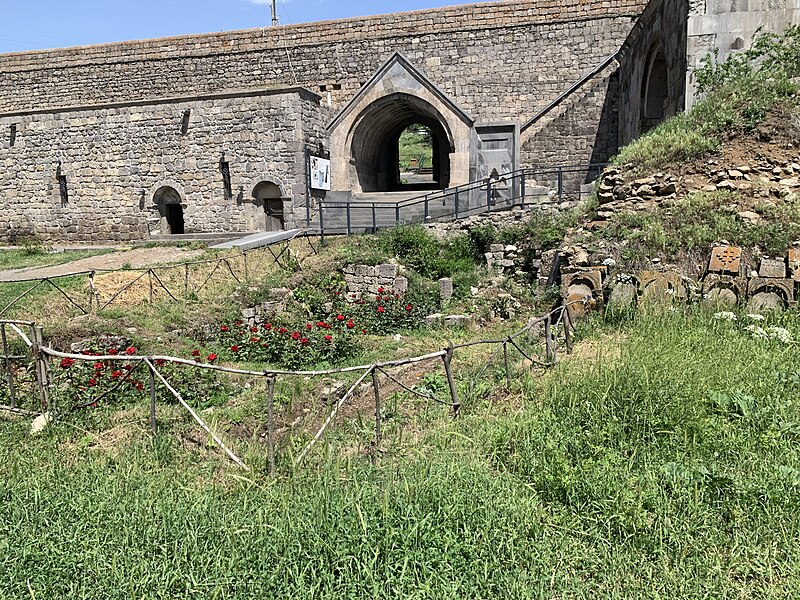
<point>235,348</point>
<point>66,363</point>
<point>381,309</point>
<point>112,352</point>
<point>98,366</point>
<point>224,329</point>
<point>212,358</point>
<point>295,335</point>
<point>340,317</point>
<point>254,339</point>
<point>350,324</point>
<point>92,382</point>
<point>254,330</point>
<point>267,326</point>
<point>139,385</point>
<point>116,374</point>
<point>282,330</point>
<point>309,326</point>
<point>195,352</point>
<point>408,308</point>
<point>329,337</point>
<point>380,290</point>
<point>130,351</point>
<point>160,362</point>
<point>237,323</point>
<point>304,341</point>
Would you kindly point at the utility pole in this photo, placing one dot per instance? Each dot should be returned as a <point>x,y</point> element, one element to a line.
<point>274,13</point>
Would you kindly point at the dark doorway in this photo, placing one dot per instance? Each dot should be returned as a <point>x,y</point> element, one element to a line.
<point>175,218</point>
<point>170,208</point>
<point>655,91</point>
<point>376,147</point>
<point>268,196</point>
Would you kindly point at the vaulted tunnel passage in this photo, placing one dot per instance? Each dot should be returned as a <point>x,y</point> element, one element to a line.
<point>375,150</point>
<point>655,90</point>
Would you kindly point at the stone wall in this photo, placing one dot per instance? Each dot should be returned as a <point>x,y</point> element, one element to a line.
<point>500,55</point>
<point>728,26</point>
<point>368,279</point>
<point>115,158</point>
<point>662,29</point>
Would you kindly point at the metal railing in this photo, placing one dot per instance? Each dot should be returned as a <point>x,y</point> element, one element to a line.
<point>524,187</point>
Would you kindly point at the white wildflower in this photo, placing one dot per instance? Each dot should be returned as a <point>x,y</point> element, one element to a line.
<point>609,262</point>
<point>780,334</point>
<point>756,317</point>
<point>757,332</point>
<point>725,316</point>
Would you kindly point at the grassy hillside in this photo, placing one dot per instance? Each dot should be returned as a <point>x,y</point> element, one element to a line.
<point>659,461</point>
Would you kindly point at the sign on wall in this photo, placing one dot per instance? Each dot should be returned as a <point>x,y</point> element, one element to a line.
<point>320,173</point>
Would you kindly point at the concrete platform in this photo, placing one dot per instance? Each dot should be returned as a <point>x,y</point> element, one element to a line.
<point>258,240</point>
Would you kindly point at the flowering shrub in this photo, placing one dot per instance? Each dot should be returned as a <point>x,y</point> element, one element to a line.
<point>291,346</point>
<point>80,382</point>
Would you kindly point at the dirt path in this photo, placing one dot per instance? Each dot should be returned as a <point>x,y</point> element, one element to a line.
<point>137,258</point>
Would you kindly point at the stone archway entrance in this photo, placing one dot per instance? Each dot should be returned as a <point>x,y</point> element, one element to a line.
<point>269,207</point>
<point>170,210</point>
<point>364,134</point>
<point>655,90</point>
<point>374,149</point>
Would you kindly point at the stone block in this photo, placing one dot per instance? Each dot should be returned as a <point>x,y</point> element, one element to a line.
<point>623,297</point>
<point>794,263</point>
<point>389,271</point>
<point>434,320</point>
<point>495,248</point>
<point>769,291</point>
<point>445,289</point>
<point>663,287</point>
<point>456,320</point>
<point>772,268</point>
<point>725,260</point>
<point>401,285</point>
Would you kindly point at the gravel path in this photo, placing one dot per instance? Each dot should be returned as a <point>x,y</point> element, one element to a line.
<point>137,258</point>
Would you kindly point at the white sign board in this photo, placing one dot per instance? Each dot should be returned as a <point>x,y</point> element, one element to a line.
<point>320,169</point>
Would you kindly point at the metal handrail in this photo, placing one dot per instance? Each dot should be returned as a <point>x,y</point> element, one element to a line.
<point>517,187</point>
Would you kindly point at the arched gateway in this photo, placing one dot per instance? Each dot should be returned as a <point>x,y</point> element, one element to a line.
<point>364,135</point>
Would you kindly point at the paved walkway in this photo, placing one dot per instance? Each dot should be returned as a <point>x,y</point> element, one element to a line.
<point>136,258</point>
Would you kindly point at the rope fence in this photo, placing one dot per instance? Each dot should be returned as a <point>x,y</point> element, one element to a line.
<point>556,326</point>
<point>178,282</point>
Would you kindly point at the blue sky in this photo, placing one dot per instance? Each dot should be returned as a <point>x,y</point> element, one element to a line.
<point>33,24</point>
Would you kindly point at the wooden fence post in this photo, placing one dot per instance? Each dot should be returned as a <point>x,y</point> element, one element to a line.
<point>548,340</point>
<point>506,364</point>
<point>567,320</point>
<point>376,390</point>
<point>42,372</point>
<point>153,425</point>
<point>9,370</point>
<point>150,281</point>
<point>447,360</point>
<point>271,424</point>
<point>186,280</point>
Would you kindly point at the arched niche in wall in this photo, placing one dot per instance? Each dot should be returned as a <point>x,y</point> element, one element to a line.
<point>169,201</point>
<point>655,89</point>
<point>268,197</point>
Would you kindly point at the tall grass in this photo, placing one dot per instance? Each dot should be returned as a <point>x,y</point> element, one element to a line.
<point>660,462</point>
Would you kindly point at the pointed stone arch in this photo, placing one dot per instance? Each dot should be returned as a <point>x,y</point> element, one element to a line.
<point>365,132</point>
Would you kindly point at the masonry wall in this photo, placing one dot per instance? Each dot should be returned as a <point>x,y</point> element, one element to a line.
<point>662,26</point>
<point>115,158</point>
<point>727,26</point>
<point>497,60</point>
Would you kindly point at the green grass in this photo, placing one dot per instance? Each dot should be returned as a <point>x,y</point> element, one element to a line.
<point>660,462</point>
<point>415,143</point>
<point>37,257</point>
<point>694,223</point>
